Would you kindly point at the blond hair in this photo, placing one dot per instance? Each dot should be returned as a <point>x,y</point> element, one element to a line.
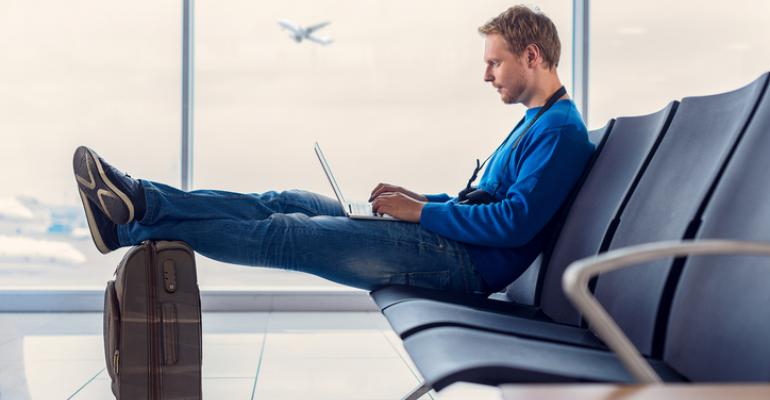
<point>521,26</point>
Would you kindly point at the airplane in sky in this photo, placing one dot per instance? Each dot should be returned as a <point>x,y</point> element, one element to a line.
<point>298,33</point>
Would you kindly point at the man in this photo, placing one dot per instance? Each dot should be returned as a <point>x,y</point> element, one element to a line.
<point>477,242</point>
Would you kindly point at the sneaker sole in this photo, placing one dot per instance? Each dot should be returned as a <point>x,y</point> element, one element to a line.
<point>92,226</point>
<point>100,193</point>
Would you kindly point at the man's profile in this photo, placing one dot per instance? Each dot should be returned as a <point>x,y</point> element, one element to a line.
<point>478,241</point>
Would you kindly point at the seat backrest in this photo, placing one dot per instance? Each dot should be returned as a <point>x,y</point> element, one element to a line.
<point>666,203</point>
<point>597,136</point>
<point>719,324</point>
<point>623,155</point>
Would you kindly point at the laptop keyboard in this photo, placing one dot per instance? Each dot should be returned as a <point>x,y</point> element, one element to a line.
<point>361,209</point>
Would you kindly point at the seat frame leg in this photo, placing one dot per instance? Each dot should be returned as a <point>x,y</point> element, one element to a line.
<point>417,392</point>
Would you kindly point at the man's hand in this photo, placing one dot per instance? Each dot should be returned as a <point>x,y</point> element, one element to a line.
<point>388,188</point>
<point>398,205</point>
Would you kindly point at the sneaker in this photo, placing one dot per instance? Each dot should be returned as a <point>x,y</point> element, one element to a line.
<point>103,231</point>
<point>111,191</point>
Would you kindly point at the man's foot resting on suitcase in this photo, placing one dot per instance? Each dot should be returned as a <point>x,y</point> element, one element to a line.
<point>103,231</point>
<point>109,196</point>
<point>116,194</point>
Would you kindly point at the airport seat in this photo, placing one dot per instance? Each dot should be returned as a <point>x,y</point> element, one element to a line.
<point>667,205</point>
<point>696,164</point>
<point>719,321</point>
<point>624,155</point>
<point>678,149</point>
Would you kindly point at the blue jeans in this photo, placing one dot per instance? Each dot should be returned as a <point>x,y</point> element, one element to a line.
<point>302,231</point>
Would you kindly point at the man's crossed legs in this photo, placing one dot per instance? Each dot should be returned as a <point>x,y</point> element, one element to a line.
<point>292,230</point>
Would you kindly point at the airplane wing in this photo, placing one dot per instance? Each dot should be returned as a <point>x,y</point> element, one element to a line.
<point>286,24</point>
<point>324,40</point>
<point>313,28</point>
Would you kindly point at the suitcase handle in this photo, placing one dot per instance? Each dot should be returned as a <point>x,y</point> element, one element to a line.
<point>111,331</point>
<point>169,329</point>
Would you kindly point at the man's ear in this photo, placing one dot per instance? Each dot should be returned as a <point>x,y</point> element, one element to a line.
<point>532,55</point>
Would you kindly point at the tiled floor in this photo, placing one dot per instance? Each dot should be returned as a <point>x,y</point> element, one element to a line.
<point>279,355</point>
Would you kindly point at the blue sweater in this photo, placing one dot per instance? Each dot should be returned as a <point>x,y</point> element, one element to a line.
<point>505,236</point>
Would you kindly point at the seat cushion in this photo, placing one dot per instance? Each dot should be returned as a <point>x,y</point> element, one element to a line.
<point>394,294</point>
<point>450,354</point>
<point>409,317</point>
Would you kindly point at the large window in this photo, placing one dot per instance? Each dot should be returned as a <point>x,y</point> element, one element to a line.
<point>103,74</point>
<point>647,53</point>
<point>397,97</point>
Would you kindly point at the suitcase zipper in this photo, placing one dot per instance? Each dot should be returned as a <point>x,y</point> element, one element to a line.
<point>153,345</point>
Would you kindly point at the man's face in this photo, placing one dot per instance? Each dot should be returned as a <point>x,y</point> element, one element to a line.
<point>506,71</point>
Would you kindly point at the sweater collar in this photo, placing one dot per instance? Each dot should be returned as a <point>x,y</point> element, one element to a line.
<point>532,111</point>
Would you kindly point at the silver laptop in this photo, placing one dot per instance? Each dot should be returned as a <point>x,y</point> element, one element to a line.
<point>354,210</point>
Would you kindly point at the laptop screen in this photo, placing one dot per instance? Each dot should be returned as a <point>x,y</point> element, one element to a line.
<point>329,175</point>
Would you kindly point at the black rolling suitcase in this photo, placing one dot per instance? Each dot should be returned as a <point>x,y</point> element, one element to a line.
<point>152,324</point>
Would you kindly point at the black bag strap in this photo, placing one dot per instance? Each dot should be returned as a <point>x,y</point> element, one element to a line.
<point>548,104</point>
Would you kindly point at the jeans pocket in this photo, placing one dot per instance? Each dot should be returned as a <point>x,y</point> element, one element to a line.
<point>429,280</point>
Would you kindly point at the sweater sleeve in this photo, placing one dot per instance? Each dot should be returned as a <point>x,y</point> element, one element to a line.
<point>549,166</point>
<point>437,198</point>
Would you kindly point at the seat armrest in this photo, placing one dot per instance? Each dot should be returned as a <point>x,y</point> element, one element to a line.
<point>579,273</point>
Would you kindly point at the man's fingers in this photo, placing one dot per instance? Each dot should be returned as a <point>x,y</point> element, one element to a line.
<point>382,201</point>
<point>379,199</point>
<point>376,203</point>
<point>384,209</point>
<point>381,190</point>
<point>374,191</point>
<point>384,188</point>
<point>381,187</point>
